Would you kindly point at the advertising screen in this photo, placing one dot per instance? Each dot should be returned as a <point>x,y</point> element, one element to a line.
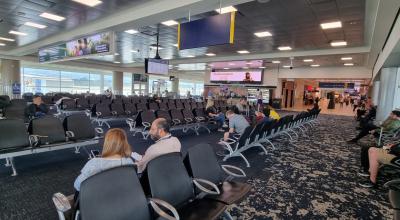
<point>95,44</point>
<point>242,77</point>
<point>156,66</point>
<point>52,53</point>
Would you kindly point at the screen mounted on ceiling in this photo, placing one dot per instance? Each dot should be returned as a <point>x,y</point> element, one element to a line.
<point>239,77</point>
<point>156,66</point>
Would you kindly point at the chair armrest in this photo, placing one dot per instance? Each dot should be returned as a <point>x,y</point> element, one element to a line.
<point>188,120</point>
<point>128,112</point>
<point>114,113</point>
<point>88,112</point>
<point>200,119</point>
<point>98,114</point>
<point>236,136</point>
<point>176,121</point>
<point>391,182</point>
<point>99,130</point>
<point>229,172</point>
<point>156,203</point>
<point>197,182</point>
<point>146,124</point>
<point>62,204</point>
<point>70,134</point>
<point>228,141</point>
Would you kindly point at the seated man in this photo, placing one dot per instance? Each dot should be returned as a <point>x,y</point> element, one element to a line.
<point>165,143</point>
<point>368,117</point>
<point>212,112</point>
<point>391,124</point>
<point>37,108</point>
<point>241,105</point>
<point>237,124</point>
<point>377,157</point>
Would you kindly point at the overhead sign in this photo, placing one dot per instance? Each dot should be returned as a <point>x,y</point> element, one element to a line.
<point>214,30</point>
<point>330,85</point>
<point>75,49</point>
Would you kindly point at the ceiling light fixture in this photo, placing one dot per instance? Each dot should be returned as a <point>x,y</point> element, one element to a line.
<point>338,43</point>
<point>262,67</point>
<point>116,54</point>
<point>231,64</point>
<point>175,45</point>
<point>117,62</point>
<point>52,16</point>
<point>132,31</point>
<point>1,44</point>
<point>189,56</point>
<point>135,51</point>
<point>169,23</point>
<point>245,67</point>
<point>90,3</point>
<point>7,39</point>
<point>315,65</point>
<point>155,48</point>
<point>276,61</point>
<point>331,25</point>
<point>226,68</point>
<point>286,66</point>
<point>263,34</point>
<point>210,54</point>
<point>284,48</point>
<point>346,58</point>
<point>35,25</point>
<point>17,33</point>
<point>308,60</point>
<point>349,64</point>
<point>249,63</point>
<point>243,51</point>
<point>226,9</point>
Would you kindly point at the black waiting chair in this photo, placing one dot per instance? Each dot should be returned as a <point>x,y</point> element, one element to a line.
<point>122,198</point>
<point>168,180</point>
<point>201,162</point>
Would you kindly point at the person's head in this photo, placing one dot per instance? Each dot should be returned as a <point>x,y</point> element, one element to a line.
<point>159,128</point>
<point>242,101</point>
<point>229,114</point>
<point>259,114</point>
<point>210,103</point>
<point>37,100</point>
<point>247,75</point>
<point>395,114</point>
<point>266,112</point>
<point>116,144</point>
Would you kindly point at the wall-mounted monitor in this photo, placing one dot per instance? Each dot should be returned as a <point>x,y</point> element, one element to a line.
<point>156,66</point>
<point>237,77</point>
<point>140,77</point>
<point>93,45</point>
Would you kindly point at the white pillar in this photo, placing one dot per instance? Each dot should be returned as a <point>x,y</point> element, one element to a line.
<point>10,72</point>
<point>118,82</point>
<point>375,92</point>
<point>388,84</point>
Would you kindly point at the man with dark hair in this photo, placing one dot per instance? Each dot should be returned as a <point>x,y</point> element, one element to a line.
<point>37,108</point>
<point>165,143</point>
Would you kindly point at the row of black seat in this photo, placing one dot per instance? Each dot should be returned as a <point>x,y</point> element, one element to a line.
<point>190,188</point>
<point>45,134</point>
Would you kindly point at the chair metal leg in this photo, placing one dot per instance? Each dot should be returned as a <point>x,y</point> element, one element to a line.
<point>8,163</point>
<point>245,159</point>
<point>14,170</point>
<point>262,148</point>
<point>272,145</point>
<point>77,150</point>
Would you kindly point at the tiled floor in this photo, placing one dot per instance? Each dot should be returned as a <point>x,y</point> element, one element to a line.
<point>345,110</point>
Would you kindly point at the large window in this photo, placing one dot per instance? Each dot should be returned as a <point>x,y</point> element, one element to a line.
<point>195,88</point>
<point>46,81</point>
<point>127,84</point>
<point>108,84</point>
<point>159,84</point>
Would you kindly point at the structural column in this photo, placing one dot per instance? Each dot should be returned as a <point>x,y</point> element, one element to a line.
<point>375,92</point>
<point>10,73</point>
<point>118,82</point>
<point>175,86</point>
<point>389,80</point>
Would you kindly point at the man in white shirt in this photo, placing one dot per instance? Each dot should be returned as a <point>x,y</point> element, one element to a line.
<point>165,143</point>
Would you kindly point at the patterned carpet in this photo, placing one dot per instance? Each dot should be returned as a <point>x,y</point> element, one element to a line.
<point>312,178</point>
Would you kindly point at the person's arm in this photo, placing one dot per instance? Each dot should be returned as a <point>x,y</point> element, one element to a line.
<point>86,172</point>
<point>43,108</point>
<point>147,156</point>
<point>392,126</point>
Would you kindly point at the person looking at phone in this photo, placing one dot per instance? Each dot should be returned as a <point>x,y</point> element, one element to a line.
<point>165,143</point>
<point>116,152</point>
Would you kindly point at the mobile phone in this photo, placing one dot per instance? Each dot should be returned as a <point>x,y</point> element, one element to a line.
<point>136,156</point>
<point>95,153</point>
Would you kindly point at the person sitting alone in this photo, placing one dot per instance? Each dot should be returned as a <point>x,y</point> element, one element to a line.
<point>391,124</point>
<point>237,124</point>
<point>212,112</point>
<point>377,157</point>
<point>262,117</point>
<point>165,143</point>
<point>37,109</point>
<point>116,152</point>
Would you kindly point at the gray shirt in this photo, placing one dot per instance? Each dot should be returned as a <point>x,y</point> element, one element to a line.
<point>239,123</point>
<point>96,165</point>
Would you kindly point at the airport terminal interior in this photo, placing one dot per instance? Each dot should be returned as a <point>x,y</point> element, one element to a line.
<point>199,109</point>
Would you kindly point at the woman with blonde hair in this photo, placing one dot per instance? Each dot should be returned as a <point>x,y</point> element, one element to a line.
<point>116,152</point>
<point>212,112</point>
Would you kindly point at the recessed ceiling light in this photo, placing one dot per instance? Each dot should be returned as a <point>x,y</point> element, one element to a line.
<point>35,25</point>
<point>90,3</point>
<point>116,54</point>
<point>17,33</point>
<point>284,48</point>
<point>175,45</point>
<point>52,16</point>
<point>249,63</point>
<point>132,31</point>
<point>262,67</point>
<point>276,61</point>
<point>210,54</point>
<point>226,68</point>
<point>243,51</point>
<point>1,44</point>
<point>7,39</point>
<point>308,60</point>
<point>338,43</point>
<point>263,34</point>
<point>231,64</point>
<point>226,9</point>
<point>330,25</point>
<point>315,65</point>
<point>117,62</point>
<point>155,48</point>
<point>245,67</point>
<point>169,23</point>
<point>346,58</point>
<point>349,64</point>
<point>134,51</point>
<point>189,56</point>
<point>286,66</point>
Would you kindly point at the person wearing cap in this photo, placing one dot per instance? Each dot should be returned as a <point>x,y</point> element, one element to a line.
<point>37,109</point>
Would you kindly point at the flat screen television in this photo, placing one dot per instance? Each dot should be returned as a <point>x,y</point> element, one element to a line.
<point>156,66</point>
<point>237,77</point>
